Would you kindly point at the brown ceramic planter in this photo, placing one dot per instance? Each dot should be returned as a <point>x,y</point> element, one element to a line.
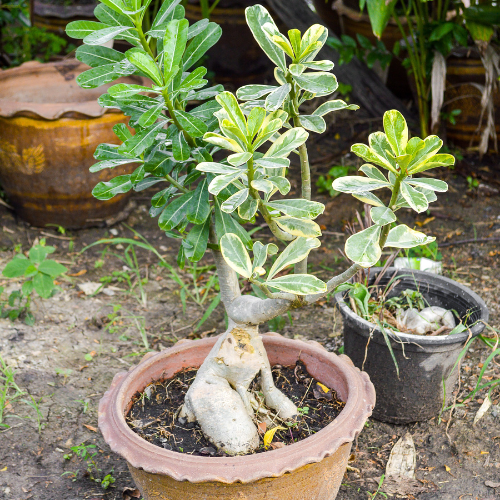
<point>49,130</point>
<point>464,72</point>
<point>309,470</point>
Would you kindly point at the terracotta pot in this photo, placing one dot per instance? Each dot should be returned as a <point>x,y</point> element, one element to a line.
<point>237,58</point>
<point>49,130</point>
<point>465,70</point>
<point>311,469</point>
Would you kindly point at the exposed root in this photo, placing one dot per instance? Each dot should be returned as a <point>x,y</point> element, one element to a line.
<point>219,398</point>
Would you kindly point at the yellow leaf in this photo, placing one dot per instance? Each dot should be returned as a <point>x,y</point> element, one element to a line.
<point>269,435</point>
<point>324,388</point>
<point>4,469</point>
<point>447,468</point>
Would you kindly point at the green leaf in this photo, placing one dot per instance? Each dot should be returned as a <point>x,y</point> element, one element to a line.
<point>194,79</point>
<point>358,184</point>
<point>216,168</point>
<point>197,27</point>
<point>260,253</point>
<point>263,185</point>
<point>97,167</point>
<point>313,123</point>
<point>239,159</point>
<point>298,227</point>
<point>117,185</point>
<point>174,44</point>
<point>198,239</point>
<point>431,146</point>
<point>382,215</point>
<point>111,17</point>
<point>38,253</point>
<point>137,175</point>
<point>192,125</point>
<point>51,268</point>
<point>363,247</point>
<point>26,289</point>
<point>200,44</point>
<point>322,66</point>
<point>144,62</point>
<point>403,237</point>
<point>287,142</point>
<point>222,142</point>
<point>139,142</point>
<point>299,284</point>
<point>312,41</point>
<point>43,285</point>
<point>221,181</point>
<point>105,35</point>
<point>282,183</point>
<point>414,198</point>
<point>367,197</point>
<point>199,208</point>
<point>234,201</point>
<point>373,172</point>
<point>16,267</point>
<point>296,251</point>
<point>432,184</point>
<point>320,83</point>
<point>273,163</point>
<point>95,55</point>
<point>230,104</point>
<point>379,12</point>
<point>151,115</point>
<point>369,155</point>
<point>276,98</point>
<point>380,145</point>
<point>96,77</point>
<point>225,224</point>
<point>166,12</point>
<point>248,208</point>
<point>334,105</point>
<point>396,131</point>
<point>175,212</point>
<point>257,16</point>
<point>124,90</point>
<point>252,92</point>
<point>180,147</point>
<point>235,254</point>
<point>81,29</point>
<point>116,5</point>
<point>440,160</point>
<point>298,208</point>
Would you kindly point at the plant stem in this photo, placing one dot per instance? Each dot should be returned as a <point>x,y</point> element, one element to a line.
<point>305,171</point>
<point>176,184</point>
<point>394,199</point>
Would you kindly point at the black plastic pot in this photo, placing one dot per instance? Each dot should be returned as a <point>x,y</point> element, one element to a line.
<point>423,361</point>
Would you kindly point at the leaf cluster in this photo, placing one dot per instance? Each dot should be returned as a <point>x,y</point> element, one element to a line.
<point>38,273</point>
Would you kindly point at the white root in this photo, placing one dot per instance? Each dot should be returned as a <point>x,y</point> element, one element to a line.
<point>219,399</point>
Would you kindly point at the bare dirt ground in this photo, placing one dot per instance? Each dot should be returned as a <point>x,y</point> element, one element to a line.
<point>68,359</point>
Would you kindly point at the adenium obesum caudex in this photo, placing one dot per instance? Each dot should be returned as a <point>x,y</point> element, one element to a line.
<point>206,203</point>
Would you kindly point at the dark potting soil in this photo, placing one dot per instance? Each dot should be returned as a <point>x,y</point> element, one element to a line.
<point>153,415</point>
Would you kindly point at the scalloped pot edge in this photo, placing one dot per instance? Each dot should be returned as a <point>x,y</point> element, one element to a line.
<point>28,90</point>
<point>352,385</point>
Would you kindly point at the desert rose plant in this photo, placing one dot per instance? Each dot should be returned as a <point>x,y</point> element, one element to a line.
<point>206,202</point>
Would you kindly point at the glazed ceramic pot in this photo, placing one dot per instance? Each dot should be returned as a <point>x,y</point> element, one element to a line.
<point>465,77</point>
<point>49,130</point>
<point>311,469</point>
<point>424,362</point>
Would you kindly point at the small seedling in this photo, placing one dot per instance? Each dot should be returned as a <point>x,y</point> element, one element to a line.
<point>37,273</point>
<point>324,182</point>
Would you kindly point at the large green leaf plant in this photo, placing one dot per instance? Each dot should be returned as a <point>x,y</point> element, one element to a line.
<point>222,160</point>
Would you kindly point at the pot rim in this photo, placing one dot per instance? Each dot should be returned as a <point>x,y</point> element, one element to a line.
<point>421,340</point>
<point>90,108</point>
<point>249,468</point>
